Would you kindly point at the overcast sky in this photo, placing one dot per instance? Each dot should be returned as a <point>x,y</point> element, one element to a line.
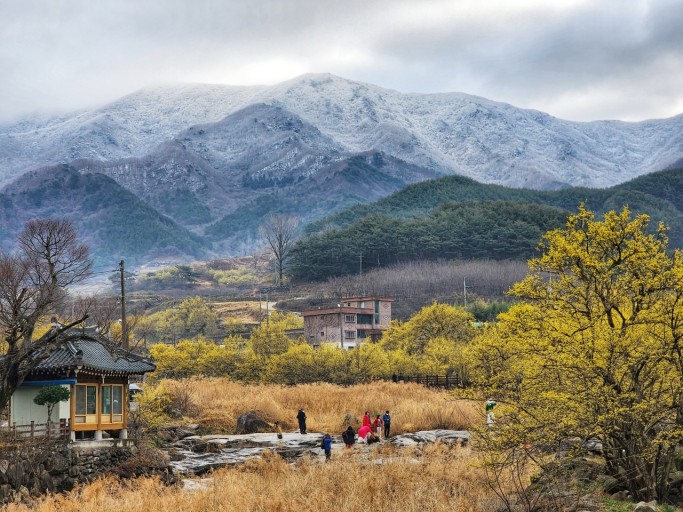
<point>575,59</point>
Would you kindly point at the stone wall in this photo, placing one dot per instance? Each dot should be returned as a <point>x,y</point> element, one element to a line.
<point>32,469</point>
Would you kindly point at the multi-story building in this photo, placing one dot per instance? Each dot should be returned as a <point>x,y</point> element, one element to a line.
<point>353,321</point>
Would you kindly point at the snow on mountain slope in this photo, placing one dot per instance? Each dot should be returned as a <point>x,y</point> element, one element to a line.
<point>131,126</point>
<point>446,133</point>
<point>489,141</point>
<point>221,164</point>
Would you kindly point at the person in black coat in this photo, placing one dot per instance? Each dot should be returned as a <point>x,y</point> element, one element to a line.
<point>301,417</point>
<point>349,437</point>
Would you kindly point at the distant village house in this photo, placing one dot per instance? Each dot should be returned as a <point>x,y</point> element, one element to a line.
<point>353,321</point>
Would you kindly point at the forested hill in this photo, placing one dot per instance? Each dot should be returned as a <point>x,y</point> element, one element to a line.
<point>457,218</point>
<point>114,222</point>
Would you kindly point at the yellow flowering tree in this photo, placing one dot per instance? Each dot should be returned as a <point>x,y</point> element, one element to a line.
<point>431,322</point>
<point>270,339</point>
<point>594,350</point>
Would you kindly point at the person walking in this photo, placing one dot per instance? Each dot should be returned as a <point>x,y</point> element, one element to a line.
<point>387,423</point>
<point>326,445</point>
<point>301,418</point>
<point>349,437</point>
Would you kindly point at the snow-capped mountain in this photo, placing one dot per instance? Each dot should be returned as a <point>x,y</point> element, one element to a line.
<point>213,183</point>
<point>445,133</point>
<point>258,151</point>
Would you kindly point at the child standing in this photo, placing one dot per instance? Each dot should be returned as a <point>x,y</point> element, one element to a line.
<point>326,445</point>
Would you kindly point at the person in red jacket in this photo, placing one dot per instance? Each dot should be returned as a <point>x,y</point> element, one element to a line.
<point>366,420</point>
<point>363,433</point>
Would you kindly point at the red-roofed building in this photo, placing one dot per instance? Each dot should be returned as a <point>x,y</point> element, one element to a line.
<point>353,321</point>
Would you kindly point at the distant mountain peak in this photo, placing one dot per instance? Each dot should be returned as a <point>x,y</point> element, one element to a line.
<point>447,132</point>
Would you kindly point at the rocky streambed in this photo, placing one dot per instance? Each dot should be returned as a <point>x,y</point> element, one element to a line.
<point>195,455</point>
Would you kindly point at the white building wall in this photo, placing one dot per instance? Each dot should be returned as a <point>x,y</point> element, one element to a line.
<point>23,410</point>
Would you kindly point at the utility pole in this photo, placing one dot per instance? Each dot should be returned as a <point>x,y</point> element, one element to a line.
<point>341,326</point>
<point>360,273</point>
<point>464,290</point>
<point>175,318</point>
<point>124,326</point>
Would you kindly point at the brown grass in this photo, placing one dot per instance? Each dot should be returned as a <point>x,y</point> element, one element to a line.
<point>246,312</point>
<point>330,408</point>
<point>435,480</point>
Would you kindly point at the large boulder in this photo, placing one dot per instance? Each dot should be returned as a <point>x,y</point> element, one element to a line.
<point>650,506</point>
<point>250,423</point>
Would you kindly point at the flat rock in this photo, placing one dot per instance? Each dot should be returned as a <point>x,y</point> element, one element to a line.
<point>196,455</point>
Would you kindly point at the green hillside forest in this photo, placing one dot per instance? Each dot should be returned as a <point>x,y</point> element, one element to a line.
<point>457,218</point>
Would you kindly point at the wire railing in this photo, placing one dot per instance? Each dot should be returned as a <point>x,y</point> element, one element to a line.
<point>435,381</point>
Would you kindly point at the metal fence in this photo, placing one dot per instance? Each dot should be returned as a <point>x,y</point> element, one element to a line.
<point>435,381</point>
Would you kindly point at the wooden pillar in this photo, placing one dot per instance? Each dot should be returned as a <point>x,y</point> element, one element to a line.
<point>98,408</point>
<point>72,408</point>
<point>124,405</point>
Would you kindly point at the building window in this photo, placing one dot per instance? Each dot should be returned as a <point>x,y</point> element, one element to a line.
<point>322,333</point>
<point>112,403</point>
<point>350,335</point>
<point>364,319</point>
<point>350,318</point>
<point>362,335</point>
<point>376,312</point>
<point>86,403</point>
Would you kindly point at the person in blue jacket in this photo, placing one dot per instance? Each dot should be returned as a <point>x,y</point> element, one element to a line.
<point>386,419</point>
<point>327,446</point>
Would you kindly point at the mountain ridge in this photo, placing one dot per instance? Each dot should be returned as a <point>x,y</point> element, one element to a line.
<point>449,133</point>
<point>203,164</point>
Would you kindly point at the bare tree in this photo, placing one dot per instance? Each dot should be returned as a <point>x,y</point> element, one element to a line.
<point>102,312</point>
<point>279,230</point>
<point>33,282</point>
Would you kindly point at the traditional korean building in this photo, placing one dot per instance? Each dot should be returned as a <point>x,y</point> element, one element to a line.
<point>97,373</point>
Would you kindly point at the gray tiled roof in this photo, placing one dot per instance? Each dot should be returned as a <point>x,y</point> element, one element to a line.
<point>90,351</point>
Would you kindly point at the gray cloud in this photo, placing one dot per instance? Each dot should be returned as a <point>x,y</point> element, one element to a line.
<point>574,59</point>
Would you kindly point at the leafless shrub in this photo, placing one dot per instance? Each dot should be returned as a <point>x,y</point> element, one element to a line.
<point>416,284</point>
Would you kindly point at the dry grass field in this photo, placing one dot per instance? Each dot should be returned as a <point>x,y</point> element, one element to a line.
<point>216,403</point>
<point>434,480</point>
<point>244,312</point>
